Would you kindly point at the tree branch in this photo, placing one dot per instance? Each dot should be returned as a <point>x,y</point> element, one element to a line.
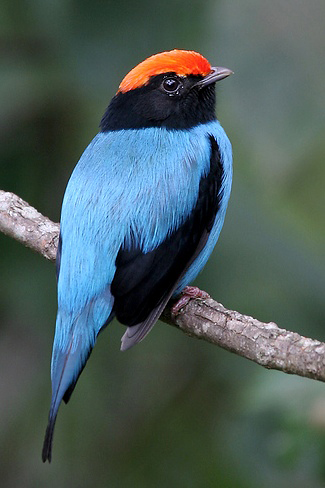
<point>25,224</point>
<point>264,343</point>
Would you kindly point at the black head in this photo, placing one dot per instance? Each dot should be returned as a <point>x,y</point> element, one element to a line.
<point>167,100</point>
<point>173,89</point>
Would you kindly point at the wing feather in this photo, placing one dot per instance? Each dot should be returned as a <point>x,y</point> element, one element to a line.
<point>144,282</point>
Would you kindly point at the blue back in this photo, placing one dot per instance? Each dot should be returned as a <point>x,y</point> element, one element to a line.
<point>162,169</point>
<point>130,188</point>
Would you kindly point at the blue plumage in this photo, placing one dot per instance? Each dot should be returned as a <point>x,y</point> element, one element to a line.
<point>129,206</point>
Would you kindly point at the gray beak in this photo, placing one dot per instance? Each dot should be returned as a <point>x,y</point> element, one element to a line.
<point>216,74</point>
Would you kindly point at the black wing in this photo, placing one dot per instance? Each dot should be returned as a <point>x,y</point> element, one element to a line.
<point>143,283</point>
<point>58,257</point>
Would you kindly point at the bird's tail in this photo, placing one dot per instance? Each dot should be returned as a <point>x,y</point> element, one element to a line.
<point>75,337</point>
<point>71,350</point>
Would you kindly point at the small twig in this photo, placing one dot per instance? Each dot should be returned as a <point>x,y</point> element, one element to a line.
<point>264,343</point>
<point>25,224</point>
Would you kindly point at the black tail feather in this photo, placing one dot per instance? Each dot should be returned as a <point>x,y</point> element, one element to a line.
<point>48,440</point>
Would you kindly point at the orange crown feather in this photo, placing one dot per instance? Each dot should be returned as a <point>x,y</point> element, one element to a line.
<point>181,62</point>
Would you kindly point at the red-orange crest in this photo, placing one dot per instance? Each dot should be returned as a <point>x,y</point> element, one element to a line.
<point>181,62</point>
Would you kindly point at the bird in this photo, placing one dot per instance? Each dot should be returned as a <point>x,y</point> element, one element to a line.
<point>142,211</point>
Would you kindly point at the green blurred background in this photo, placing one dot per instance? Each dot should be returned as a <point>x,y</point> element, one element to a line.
<point>173,411</point>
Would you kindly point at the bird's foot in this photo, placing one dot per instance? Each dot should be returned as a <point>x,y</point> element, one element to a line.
<point>187,294</point>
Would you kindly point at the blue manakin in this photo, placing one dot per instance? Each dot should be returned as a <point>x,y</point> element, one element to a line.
<point>142,211</point>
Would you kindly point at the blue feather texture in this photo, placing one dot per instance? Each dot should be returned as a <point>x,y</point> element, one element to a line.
<point>130,188</point>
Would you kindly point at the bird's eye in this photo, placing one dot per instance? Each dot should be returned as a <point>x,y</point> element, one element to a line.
<point>171,85</point>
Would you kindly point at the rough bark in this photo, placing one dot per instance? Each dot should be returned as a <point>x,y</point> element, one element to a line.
<point>25,224</point>
<point>264,343</point>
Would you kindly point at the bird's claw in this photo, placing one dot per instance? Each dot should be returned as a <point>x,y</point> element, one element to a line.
<point>188,293</point>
